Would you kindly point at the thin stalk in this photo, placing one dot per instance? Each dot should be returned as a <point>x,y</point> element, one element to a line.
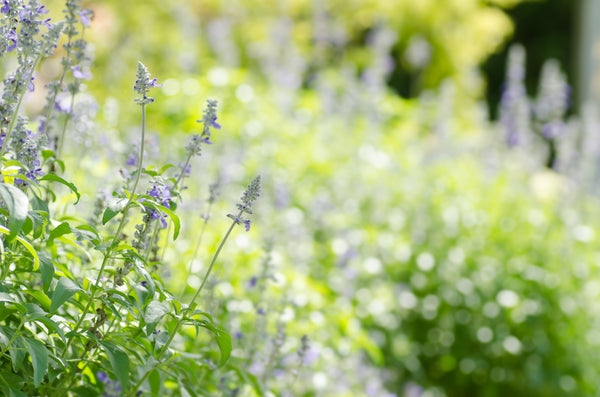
<point>111,247</point>
<point>65,124</point>
<point>179,179</point>
<point>179,323</point>
<point>68,118</point>
<point>21,96</point>
<point>188,269</point>
<point>60,83</point>
<point>152,240</point>
<point>12,339</point>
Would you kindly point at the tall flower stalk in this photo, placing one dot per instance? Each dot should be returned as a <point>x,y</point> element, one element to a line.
<point>142,85</point>
<point>248,199</point>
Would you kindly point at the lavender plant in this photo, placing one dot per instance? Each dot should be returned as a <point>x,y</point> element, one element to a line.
<point>83,308</point>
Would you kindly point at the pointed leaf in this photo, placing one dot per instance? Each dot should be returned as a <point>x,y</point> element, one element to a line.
<point>39,359</point>
<point>168,212</point>
<point>65,288</point>
<point>119,361</point>
<point>155,312</point>
<point>47,270</point>
<point>58,231</point>
<point>17,204</point>
<point>223,341</point>
<point>114,207</point>
<point>56,178</point>
<point>28,247</point>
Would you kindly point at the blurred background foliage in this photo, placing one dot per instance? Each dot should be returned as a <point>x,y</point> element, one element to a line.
<point>420,255</point>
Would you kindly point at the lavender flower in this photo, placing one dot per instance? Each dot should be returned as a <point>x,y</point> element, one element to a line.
<point>143,84</point>
<point>160,192</point>
<point>552,100</point>
<point>514,105</point>
<point>5,7</point>
<point>247,200</point>
<point>209,119</point>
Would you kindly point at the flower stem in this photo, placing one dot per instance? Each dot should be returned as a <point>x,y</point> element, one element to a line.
<point>113,244</point>
<point>21,96</point>
<point>179,323</point>
<point>12,339</point>
<point>188,270</point>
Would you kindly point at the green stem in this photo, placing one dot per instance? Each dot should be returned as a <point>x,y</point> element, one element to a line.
<point>179,179</point>
<point>210,267</point>
<point>21,96</point>
<point>64,129</point>
<point>112,246</point>
<point>60,84</point>
<point>188,269</point>
<point>190,307</point>
<point>152,240</point>
<point>12,339</point>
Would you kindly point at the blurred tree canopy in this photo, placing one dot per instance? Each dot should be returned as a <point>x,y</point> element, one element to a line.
<point>425,42</point>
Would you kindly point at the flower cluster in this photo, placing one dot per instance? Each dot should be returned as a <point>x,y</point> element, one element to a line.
<point>26,146</point>
<point>160,192</point>
<point>247,200</point>
<point>209,120</point>
<point>552,100</point>
<point>514,105</point>
<point>143,83</point>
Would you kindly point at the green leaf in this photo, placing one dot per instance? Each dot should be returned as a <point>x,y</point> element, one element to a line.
<point>37,220</point>
<point>56,178</point>
<point>169,213</point>
<point>16,348</point>
<point>47,270</point>
<point>39,205</point>
<point>65,288</point>
<point>28,247</point>
<point>114,207</point>
<point>247,377</point>
<point>223,340</point>
<point>87,232</point>
<point>17,203</point>
<point>4,297</point>
<point>40,297</point>
<point>154,313</point>
<point>155,382</point>
<point>58,231</point>
<point>52,325</point>
<point>119,361</point>
<point>12,380</point>
<point>39,359</point>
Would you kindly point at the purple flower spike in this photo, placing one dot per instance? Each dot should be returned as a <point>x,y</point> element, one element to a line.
<point>12,36</point>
